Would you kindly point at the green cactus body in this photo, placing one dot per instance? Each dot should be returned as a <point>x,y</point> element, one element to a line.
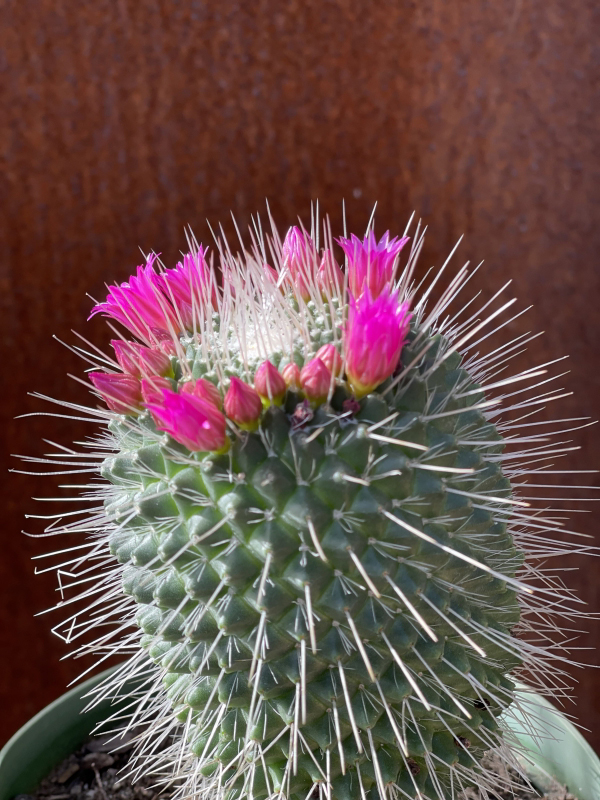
<point>312,595</point>
<point>311,547</point>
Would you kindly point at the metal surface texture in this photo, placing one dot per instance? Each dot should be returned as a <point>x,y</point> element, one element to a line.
<point>124,121</point>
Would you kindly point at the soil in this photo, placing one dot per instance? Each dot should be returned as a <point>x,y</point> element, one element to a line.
<point>92,773</point>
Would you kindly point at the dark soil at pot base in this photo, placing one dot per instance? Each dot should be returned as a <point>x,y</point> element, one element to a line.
<point>92,773</point>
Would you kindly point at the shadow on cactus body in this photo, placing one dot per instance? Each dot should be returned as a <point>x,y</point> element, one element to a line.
<point>331,602</point>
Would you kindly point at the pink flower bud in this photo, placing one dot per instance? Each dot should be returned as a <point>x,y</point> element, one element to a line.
<point>137,360</point>
<point>203,389</point>
<point>271,274</point>
<point>374,338</point>
<point>121,393</point>
<point>164,340</point>
<point>291,375</point>
<point>298,259</point>
<point>330,277</point>
<point>331,358</point>
<point>243,404</point>
<point>152,388</point>
<point>270,384</point>
<point>315,379</point>
<point>193,422</point>
<point>371,264</point>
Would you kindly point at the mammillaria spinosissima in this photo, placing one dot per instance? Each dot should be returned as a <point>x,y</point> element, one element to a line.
<point>312,548</point>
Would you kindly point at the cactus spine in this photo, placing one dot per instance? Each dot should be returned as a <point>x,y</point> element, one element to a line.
<point>327,586</point>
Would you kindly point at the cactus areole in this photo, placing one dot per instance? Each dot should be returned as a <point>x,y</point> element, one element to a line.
<point>326,579</point>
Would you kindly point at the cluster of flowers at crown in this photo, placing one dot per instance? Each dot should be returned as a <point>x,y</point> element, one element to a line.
<point>159,306</point>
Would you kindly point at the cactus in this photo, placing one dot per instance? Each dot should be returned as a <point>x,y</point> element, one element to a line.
<point>312,546</point>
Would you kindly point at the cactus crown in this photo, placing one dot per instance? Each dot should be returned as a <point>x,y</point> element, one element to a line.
<point>311,545</point>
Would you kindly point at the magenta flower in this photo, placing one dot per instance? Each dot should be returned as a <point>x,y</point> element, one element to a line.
<point>298,258</point>
<point>291,375</point>
<point>269,384</point>
<point>152,388</point>
<point>139,304</point>
<point>140,361</point>
<point>164,340</point>
<point>371,263</point>
<point>374,337</point>
<point>271,274</point>
<point>330,277</point>
<point>243,404</point>
<point>315,379</point>
<point>205,390</point>
<point>192,422</point>
<point>330,356</point>
<point>121,393</point>
<point>190,287</point>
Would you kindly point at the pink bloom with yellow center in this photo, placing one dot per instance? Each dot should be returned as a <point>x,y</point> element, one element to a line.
<point>137,360</point>
<point>205,390</point>
<point>330,356</point>
<point>298,259</point>
<point>243,404</point>
<point>139,304</point>
<point>315,379</point>
<point>374,337</point>
<point>269,383</point>
<point>152,388</point>
<point>191,287</point>
<point>371,264</point>
<point>191,421</point>
<point>121,393</point>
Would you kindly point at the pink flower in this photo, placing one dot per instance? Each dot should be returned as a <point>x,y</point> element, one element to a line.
<point>243,404</point>
<point>121,393</point>
<point>191,287</point>
<point>269,384</point>
<point>193,422</point>
<point>374,337</point>
<point>139,304</point>
<point>291,375</point>
<point>164,340</point>
<point>371,263</point>
<point>271,274</point>
<point>298,258</point>
<point>152,388</point>
<point>137,360</point>
<point>315,379</point>
<point>331,358</point>
<point>330,277</point>
<point>205,390</point>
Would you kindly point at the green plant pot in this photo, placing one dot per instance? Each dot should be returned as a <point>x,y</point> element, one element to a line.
<point>60,728</point>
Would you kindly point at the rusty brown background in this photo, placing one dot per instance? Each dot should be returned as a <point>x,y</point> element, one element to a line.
<point>123,120</point>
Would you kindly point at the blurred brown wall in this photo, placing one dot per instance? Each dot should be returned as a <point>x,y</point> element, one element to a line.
<point>121,121</point>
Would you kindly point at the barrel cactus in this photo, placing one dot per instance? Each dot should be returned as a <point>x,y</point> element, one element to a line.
<point>311,541</point>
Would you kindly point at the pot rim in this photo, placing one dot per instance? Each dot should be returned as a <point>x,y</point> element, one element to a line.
<point>558,750</point>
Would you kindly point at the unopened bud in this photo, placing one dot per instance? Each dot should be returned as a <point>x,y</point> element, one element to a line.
<point>330,356</point>
<point>203,389</point>
<point>270,384</point>
<point>243,404</point>
<point>121,393</point>
<point>315,380</point>
<point>291,375</point>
